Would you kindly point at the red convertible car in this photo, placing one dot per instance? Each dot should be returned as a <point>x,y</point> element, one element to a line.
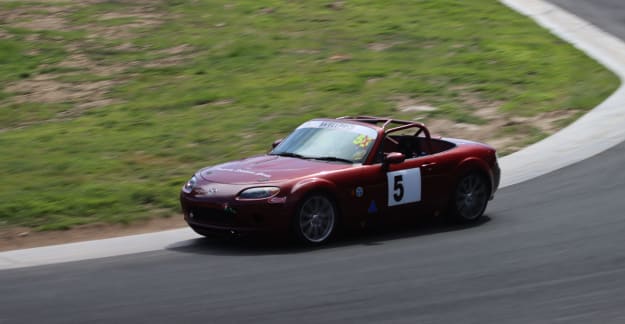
<point>345,172</point>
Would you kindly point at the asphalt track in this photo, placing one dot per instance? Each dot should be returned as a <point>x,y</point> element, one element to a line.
<point>550,250</point>
<point>608,15</point>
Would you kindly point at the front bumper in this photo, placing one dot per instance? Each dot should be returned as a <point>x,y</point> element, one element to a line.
<point>496,174</point>
<point>230,216</point>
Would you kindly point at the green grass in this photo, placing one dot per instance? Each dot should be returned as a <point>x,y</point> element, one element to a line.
<point>247,76</point>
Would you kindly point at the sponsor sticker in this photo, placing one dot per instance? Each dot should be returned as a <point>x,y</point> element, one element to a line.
<point>373,208</point>
<point>359,192</point>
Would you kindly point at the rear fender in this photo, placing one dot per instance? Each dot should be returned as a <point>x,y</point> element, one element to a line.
<point>473,164</point>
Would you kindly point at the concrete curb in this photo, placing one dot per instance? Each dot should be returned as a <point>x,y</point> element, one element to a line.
<point>595,132</point>
<point>96,249</point>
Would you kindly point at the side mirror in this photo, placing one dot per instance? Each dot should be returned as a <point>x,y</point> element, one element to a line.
<point>276,143</point>
<point>394,158</point>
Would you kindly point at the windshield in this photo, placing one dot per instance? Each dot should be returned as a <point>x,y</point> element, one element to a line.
<point>328,140</point>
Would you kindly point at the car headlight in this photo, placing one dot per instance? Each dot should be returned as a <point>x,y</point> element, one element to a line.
<point>258,192</point>
<point>188,187</point>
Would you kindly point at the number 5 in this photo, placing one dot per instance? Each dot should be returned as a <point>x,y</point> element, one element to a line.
<point>398,186</point>
<point>403,186</point>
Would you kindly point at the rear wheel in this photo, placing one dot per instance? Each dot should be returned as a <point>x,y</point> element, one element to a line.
<point>315,220</point>
<point>470,198</point>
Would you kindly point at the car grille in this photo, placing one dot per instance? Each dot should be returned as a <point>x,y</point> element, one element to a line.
<point>212,216</point>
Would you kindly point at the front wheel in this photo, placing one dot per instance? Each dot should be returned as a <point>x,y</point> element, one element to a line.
<point>470,198</point>
<point>315,220</point>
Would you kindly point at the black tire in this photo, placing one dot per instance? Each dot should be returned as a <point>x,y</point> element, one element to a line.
<point>315,220</point>
<point>470,198</point>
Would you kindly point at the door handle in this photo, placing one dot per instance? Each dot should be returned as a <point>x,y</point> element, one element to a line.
<point>428,166</point>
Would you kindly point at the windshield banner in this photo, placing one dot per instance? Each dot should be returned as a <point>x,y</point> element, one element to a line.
<point>358,129</point>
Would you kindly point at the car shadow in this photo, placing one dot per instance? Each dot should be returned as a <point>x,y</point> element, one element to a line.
<point>248,246</point>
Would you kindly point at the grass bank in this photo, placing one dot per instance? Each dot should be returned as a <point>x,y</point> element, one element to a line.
<point>107,107</point>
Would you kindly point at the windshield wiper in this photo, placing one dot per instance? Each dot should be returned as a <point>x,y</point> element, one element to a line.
<point>321,158</point>
<point>332,158</point>
<point>290,154</point>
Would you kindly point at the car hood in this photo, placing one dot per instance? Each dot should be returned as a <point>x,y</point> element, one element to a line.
<point>267,168</point>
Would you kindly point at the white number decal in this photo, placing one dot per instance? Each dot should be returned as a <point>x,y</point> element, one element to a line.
<point>404,186</point>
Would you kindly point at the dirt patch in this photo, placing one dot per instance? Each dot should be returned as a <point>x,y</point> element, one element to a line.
<point>266,11</point>
<point>43,23</point>
<point>77,59</point>
<point>45,89</point>
<point>223,102</point>
<point>176,50</point>
<point>5,35</point>
<point>21,237</point>
<point>340,58</point>
<point>495,122</point>
<point>306,51</point>
<point>407,104</point>
<point>52,91</point>
<point>489,108</point>
<point>492,132</point>
<point>84,95</point>
<point>140,17</point>
<point>46,18</point>
<point>336,5</point>
<point>34,17</point>
<point>172,56</point>
<point>378,47</point>
<point>547,122</point>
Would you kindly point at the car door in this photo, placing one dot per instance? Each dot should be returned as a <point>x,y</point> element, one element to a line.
<point>412,187</point>
<point>407,189</point>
